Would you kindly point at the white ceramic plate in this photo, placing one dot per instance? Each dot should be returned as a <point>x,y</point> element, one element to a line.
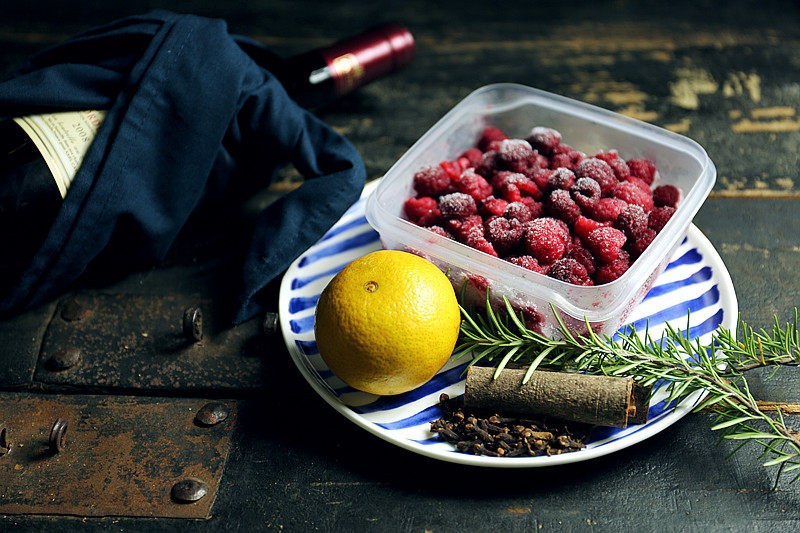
<point>696,280</point>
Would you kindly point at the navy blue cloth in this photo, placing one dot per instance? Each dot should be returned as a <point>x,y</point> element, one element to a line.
<point>192,110</point>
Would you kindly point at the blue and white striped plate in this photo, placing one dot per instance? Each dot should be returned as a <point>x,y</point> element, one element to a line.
<point>695,280</point>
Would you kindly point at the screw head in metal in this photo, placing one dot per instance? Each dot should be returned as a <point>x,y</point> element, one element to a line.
<point>64,359</point>
<point>72,311</point>
<point>189,490</point>
<point>193,323</point>
<point>58,436</point>
<point>269,326</point>
<point>211,414</point>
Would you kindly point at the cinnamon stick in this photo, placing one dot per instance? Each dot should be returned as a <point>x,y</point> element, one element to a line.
<point>600,400</point>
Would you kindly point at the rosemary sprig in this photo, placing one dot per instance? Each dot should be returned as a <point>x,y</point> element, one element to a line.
<point>675,362</point>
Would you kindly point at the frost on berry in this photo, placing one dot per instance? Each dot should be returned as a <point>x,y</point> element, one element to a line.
<point>632,220</point>
<point>457,205</point>
<point>512,186</point>
<point>561,178</point>
<point>490,134</point>
<point>515,155</point>
<point>608,209</point>
<point>643,169</point>
<point>469,182</point>
<point>605,243</point>
<point>537,208</point>
<point>422,211</point>
<point>569,270</point>
<point>599,171</point>
<point>545,240</point>
<point>630,193</point>
<point>610,272</point>
<point>528,262</point>
<point>494,206</point>
<point>472,155</point>
<point>586,193</point>
<point>642,241</point>
<point>441,231</point>
<point>666,195</point>
<point>432,181</point>
<point>659,217</point>
<point>544,140</point>
<point>487,165</point>
<point>562,206</point>
<point>503,233</point>
<point>584,226</point>
<point>518,211</point>
<point>617,164</point>
<point>584,257</point>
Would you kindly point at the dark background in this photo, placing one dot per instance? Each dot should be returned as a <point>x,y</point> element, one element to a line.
<point>726,74</point>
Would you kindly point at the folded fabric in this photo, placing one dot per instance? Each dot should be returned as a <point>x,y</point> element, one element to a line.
<point>190,111</point>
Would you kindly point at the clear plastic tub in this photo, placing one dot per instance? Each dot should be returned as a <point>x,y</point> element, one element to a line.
<point>515,109</point>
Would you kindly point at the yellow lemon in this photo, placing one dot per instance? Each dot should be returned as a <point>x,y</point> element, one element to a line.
<point>387,322</point>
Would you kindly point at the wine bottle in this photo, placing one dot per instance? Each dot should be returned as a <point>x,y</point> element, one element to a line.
<point>40,154</point>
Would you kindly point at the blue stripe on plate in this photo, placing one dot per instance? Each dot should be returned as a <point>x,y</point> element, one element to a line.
<point>307,347</point>
<point>336,230</point>
<point>690,257</point>
<point>298,283</point>
<point>704,274</point>
<point>362,239</point>
<point>301,325</point>
<point>707,299</point>
<point>426,415</point>
<point>439,381</point>
<point>301,303</point>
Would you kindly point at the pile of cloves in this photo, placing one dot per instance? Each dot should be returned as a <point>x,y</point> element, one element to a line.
<point>501,436</point>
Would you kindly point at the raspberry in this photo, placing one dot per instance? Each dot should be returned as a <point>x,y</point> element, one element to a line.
<point>632,220</point>
<point>584,226</point>
<point>457,205</point>
<point>545,239</point>
<point>490,134</point>
<point>536,163</point>
<point>617,164</point>
<point>462,227</point>
<point>432,181</point>
<point>605,243</point>
<point>503,233</point>
<point>487,165</point>
<point>659,216</point>
<point>560,161</point>
<point>422,211</point>
<point>537,208</point>
<point>541,177</point>
<point>584,257</point>
<point>610,272</point>
<point>643,169</point>
<point>473,155</point>
<point>568,270</point>
<point>533,319</point>
<point>441,231</point>
<point>561,178</point>
<point>630,193</point>
<point>642,241</point>
<point>474,185</point>
<point>666,195</point>
<point>566,156</point>
<point>479,282</point>
<point>561,205</point>
<point>453,170</point>
<point>512,184</point>
<point>518,211</point>
<point>528,262</point>
<point>599,171</point>
<point>544,140</point>
<point>515,155</point>
<point>585,192</point>
<point>608,209</point>
<point>494,206</point>
<point>479,242</point>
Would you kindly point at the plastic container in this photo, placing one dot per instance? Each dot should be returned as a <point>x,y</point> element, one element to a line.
<point>516,109</point>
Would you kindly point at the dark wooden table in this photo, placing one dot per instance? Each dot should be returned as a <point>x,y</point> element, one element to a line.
<point>728,77</point>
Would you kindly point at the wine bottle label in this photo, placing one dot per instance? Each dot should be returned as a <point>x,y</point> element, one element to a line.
<point>62,139</point>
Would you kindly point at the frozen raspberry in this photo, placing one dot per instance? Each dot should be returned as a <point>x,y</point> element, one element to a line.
<point>515,155</point>
<point>586,193</point>
<point>536,163</point>
<point>432,181</point>
<point>546,239</point>
<point>479,242</point>
<point>544,140</point>
<point>541,177</point>
<point>453,170</point>
<point>561,205</point>
<point>639,183</point>
<point>643,169</point>
<point>490,134</point>
<point>457,205</point>
<point>617,164</point>
<point>533,319</point>
<point>608,209</point>
<point>584,226</point>
<point>473,155</point>
<point>605,243</point>
<point>422,211</point>
<point>503,233</point>
<point>474,185</point>
<point>666,195</point>
<point>480,283</point>
<point>494,206</point>
<point>537,208</point>
<point>642,241</point>
<point>561,178</point>
<point>584,257</point>
<point>518,211</point>
<point>466,225</point>
<point>630,193</point>
<point>610,272</point>
<point>528,262</point>
<point>566,156</point>
<point>487,165</point>
<point>599,171</point>
<point>659,216</point>
<point>441,231</point>
<point>511,185</point>
<point>568,270</point>
<point>632,220</point>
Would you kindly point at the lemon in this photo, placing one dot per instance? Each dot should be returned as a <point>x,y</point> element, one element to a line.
<point>387,322</point>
